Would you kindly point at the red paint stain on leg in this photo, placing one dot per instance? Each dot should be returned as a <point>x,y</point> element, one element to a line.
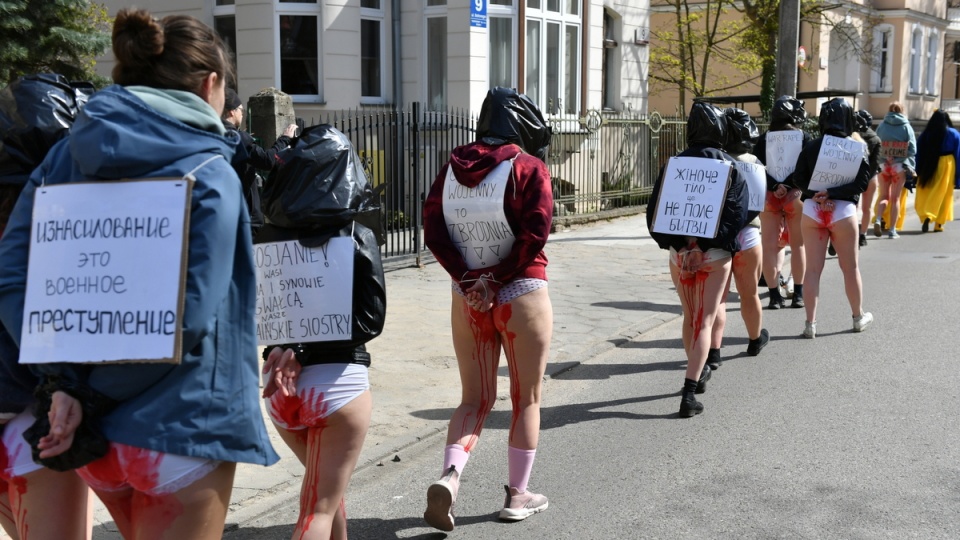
<point>311,481</point>
<point>692,289</point>
<point>484,337</point>
<point>825,217</point>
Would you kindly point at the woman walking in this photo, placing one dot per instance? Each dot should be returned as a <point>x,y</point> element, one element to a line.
<point>830,208</point>
<point>171,433</point>
<point>700,266</point>
<point>938,152</point>
<point>899,147</point>
<point>776,150</point>
<point>318,390</point>
<point>500,299</point>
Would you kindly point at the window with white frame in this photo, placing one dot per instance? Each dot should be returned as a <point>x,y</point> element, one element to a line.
<point>435,44</point>
<point>225,23</point>
<point>881,79</point>
<point>916,59</point>
<point>372,45</point>
<point>502,18</point>
<point>553,43</point>
<point>933,47</point>
<point>299,68</point>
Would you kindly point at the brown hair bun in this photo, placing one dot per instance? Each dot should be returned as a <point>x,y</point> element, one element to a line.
<point>137,37</point>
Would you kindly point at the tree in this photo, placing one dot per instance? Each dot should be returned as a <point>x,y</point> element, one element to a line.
<point>700,35</point>
<point>58,36</point>
<point>761,35</point>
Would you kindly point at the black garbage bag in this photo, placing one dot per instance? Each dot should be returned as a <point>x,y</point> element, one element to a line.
<point>508,116</point>
<point>36,111</point>
<point>319,183</point>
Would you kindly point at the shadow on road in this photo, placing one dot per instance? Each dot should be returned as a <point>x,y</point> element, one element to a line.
<point>641,306</point>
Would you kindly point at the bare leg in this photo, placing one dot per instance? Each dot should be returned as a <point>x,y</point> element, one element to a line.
<point>330,452</point>
<point>770,240</point>
<point>49,504</point>
<point>798,255</point>
<point>895,188</point>
<point>6,513</point>
<point>746,273</point>
<point>477,346</point>
<point>197,511</point>
<point>843,233</point>
<point>700,298</point>
<point>866,205</point>
<point>525,325</point>
<point>815,239</point>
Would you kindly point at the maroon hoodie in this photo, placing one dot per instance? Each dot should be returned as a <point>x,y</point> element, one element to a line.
<point>528,206</point>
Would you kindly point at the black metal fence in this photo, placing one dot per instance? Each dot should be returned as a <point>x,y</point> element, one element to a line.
<point>598,162</point>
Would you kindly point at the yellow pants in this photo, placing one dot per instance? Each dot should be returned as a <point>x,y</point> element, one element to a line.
<point>935,200</point>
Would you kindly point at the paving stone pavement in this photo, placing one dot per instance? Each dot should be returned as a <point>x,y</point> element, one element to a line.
<point>609,283</point>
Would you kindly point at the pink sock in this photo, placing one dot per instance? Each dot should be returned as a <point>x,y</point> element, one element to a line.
<point>520,463</point>
<point>454,454</point>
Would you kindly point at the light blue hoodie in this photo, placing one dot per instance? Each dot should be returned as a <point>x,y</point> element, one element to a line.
<point>208,405</point>
<point>894,129</point>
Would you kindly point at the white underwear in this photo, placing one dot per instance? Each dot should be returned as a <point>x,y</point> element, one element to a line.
<point>841,210</point>
<point>748,237</point>
<point>19,460</point>
<point>322,390</point>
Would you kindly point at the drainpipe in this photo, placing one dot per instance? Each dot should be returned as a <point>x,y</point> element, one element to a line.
<point>397,57</point>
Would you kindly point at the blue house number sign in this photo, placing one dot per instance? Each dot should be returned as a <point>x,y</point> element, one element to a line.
<point>478,13</point>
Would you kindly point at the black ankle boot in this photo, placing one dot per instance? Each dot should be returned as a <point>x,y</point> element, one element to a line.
<point>689,406</point>
<point>776,301</point>
<point>713,359</point>
<point>704,377</point>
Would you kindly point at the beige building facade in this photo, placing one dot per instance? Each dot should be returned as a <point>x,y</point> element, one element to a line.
<point>880,51</point>
<point>570,56</point>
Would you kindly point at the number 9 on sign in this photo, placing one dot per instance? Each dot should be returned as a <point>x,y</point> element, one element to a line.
<point>478,6</point>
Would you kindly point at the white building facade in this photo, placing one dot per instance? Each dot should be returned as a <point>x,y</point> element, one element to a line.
<point>570,56</point>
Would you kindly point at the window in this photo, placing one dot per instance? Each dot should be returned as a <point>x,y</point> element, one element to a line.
<point>933,47</point>
<point>225,24</point>
<point>502,16</point>
<point>436,63</point>
<point>916,44</point>
<point>880,77</point>
<point>553,42</point>
<point>298,43</point>
<point>371,51</point>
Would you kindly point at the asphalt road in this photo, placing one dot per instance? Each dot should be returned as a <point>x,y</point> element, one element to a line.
<point>848,436</point>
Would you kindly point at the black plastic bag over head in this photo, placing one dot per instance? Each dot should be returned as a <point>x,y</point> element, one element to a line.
<point>836,118</point>
<point>742,131</point>
<point>706,126</point>
<point>36,111</point>
<point>788,110</point>
<point>864,120</point>
<point>319,184</point>
<point>508,116</point>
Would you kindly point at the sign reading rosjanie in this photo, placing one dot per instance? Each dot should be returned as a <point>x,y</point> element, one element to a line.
<point>691,196</point>
<point>107,272</point>
<point>838,163</point>
<point>783,149</point>
<point>304,294</point>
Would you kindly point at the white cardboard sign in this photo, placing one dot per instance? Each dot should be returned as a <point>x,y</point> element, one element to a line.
<point>691,196</point>
<point>475,218</point>
<point>304,294</point>
<point>756,178</point>
<point>838,163</point>
<point>783,149</point>
<point>107,272</point>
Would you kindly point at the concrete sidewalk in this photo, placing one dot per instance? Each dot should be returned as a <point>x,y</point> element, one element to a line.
<point>608,283</point>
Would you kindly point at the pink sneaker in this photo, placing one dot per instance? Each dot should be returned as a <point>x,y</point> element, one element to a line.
<point>441,496</point>
<point>518,506</point>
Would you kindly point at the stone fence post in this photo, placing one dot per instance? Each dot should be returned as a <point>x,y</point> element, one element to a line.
<point>270,111</point>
